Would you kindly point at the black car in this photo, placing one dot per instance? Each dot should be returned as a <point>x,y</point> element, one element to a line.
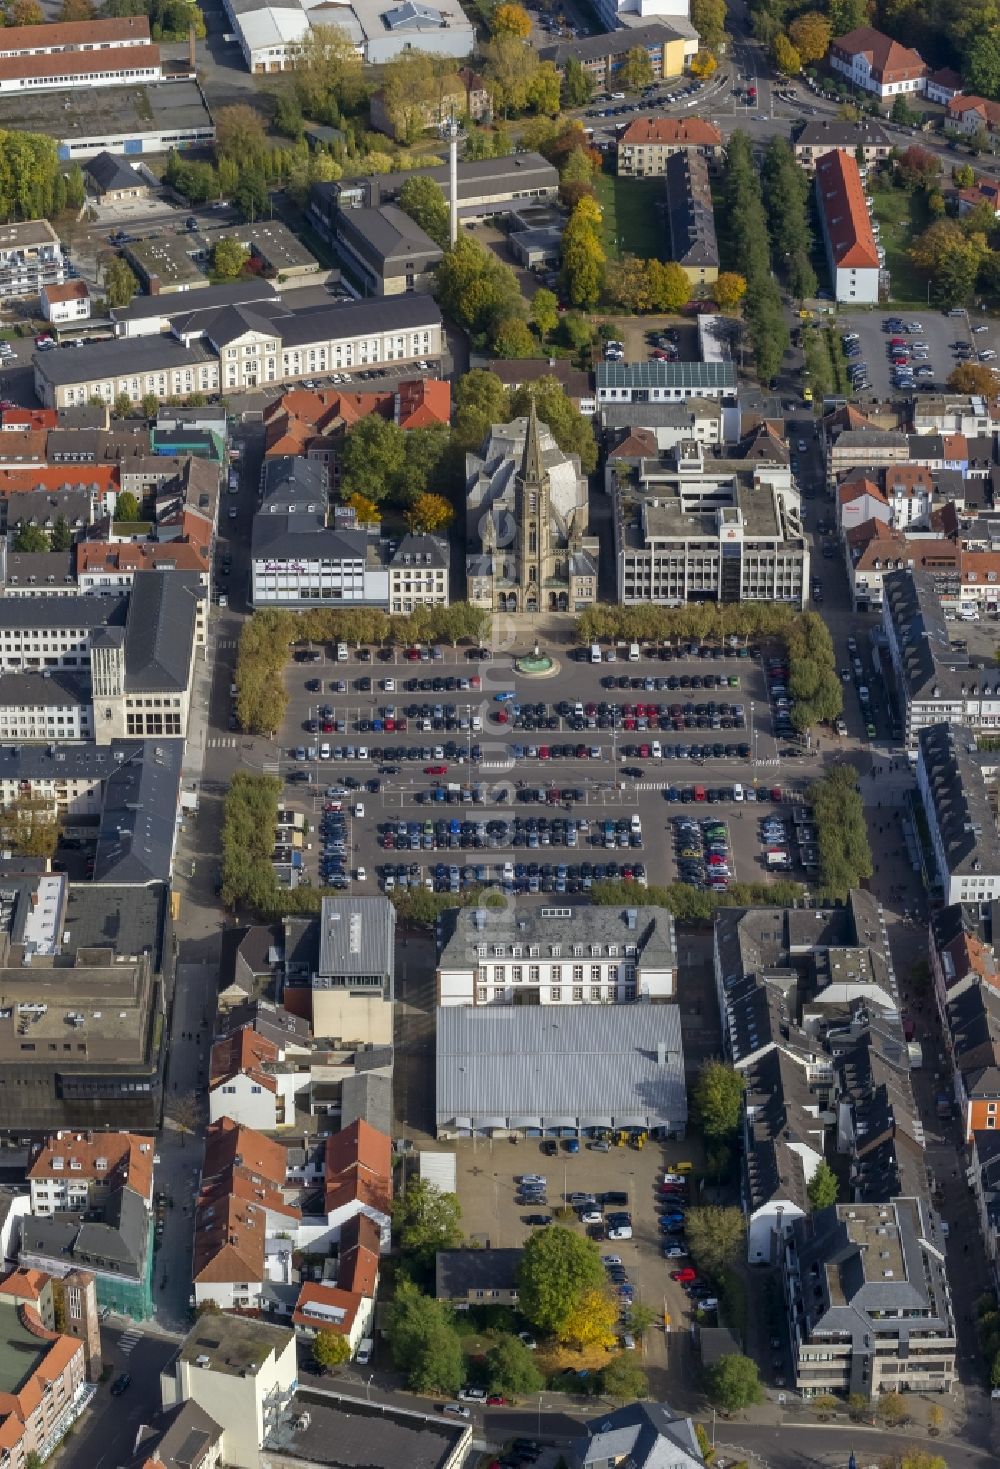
<point>121,1384</point>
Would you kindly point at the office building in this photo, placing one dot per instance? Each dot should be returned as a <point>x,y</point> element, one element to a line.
<point>691,527</point>
<point>353,982</point>
<point>386,248</point>
<point>663,382</point>
<point>603,56</point>
<point>556,956</point>
<point>317,1430</point>
<point>487,188</point>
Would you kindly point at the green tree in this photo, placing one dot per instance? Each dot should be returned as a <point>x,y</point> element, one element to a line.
<point>901,112</point>
<point>30,538</point>
<point>577,85</point>
<point>544,312</point>
<point>810,35</point>
<point>328,75</point>
<point>825,1405</point>
<point>572,432</point>
<point>847,15</point>
<point>511,1370</point>
<point>481,400</point>
<point>61,537</point>
<point>477,290</point>
<point>715,1237</point>
<point>623,1378</point>
<point>982,65</point>
<point>120,284</point>
<point>373,457</point>
<point>669,286</point>
<point>718,1098</point>
<point>558,1269</point>
<point>127,507</point>
<point>288,118</point>
<point>709,19</point>
<point>823,1187</point>
<point>240,133</point>
<point>734,1383</point>
<point>150,405</point>
<point>251,193</point>
<point>636,70</point>
<point>512,339</point>
<point>892,1409</point>
<point>330,1350</point>
<point>423,200</point>
<point>425,1344</point>
<point>122,406</point>
<point>228,258</point>
<point>425,1219</point>
<point>583,256</point>
<point>511,69</point>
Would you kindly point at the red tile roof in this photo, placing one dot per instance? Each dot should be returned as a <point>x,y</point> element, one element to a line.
<point>333,1309</point>
<point>125,556</point>
<point>842,201</point>
<point>673,132</point>
<point>988,112</point>
<point>241,1182</point>
<point>78,63</point>
<point>360,1242</point>
<point>53,478</point>
<point>359,1168</point>
<point>889,61</point>
<point>854,489</point>
<point>244,1053</point>
<point>73,33</point>
<point>127,1158</point>
<point>422,403</point>
<point>33,418</point>
<point>68,291</point>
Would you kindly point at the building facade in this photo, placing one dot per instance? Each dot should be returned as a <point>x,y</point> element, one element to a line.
<point>851,249</point>
<point>645,145</point>
<point>875,63</point>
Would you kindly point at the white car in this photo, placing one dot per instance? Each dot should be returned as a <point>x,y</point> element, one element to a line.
<point>611,1260</point>
<point>472,1395</point>
<point>359,809</point>
<point>675,1252</point>
<point>361,875</point>
<point>620,1231</point>
<point>673,1178</point>
<point>801,446</point>
<point>389,685</point>
<point>988,356</point>
<point>710,1303</point>
<point>324,752</point>
<point>590,1216</point>
<point>982,327</point>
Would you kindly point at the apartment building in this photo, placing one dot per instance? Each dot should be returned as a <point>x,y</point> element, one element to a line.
<point>81,1170</point>
<point>250,1081</point>
<point>647,143</point>
<point>690,526</point>
<point>876,63</point>
<point>690,216</point>
<point>851,250</point>
<point>868,1301</point>
<point>933,680</point>
<point>556,956</point>
<point>30,257</point>
<point>825,135</point>
<point>957,785</point>
<point>603,56</point>
<point>41,707</point>
<point>43,1380</point>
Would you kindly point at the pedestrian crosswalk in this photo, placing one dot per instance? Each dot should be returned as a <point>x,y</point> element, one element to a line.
<point>222,742</point>
<point>226,645</point>
<point>128,1341</point>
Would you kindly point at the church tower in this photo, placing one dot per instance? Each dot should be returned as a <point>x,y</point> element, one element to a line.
<point>532,515</point>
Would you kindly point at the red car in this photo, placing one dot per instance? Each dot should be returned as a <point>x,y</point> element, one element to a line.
<point>413,655</point>
<point>435,770</point>
<point>544,753</point>
<point>501,716</point>
<point>775,793</point>
<point>497,1400</point>
<point>686,1276</point>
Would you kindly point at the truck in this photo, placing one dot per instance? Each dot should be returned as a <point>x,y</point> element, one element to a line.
<point>776,857</point>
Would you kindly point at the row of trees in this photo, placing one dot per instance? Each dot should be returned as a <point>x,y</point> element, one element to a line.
<point>787,194</point>
<point>169,20</point>
<point>845,856</point>
<point>692,905</point>
<point>32,182</point>
<point>248,825</point>
<point>813,680</point>
<point>697,621</point>
<point>748,237</point>
<point>32,538</point>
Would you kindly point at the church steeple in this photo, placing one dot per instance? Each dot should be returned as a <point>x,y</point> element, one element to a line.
<point>531,465</point>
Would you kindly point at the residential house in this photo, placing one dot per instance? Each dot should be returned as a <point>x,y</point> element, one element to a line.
<point>647,143</point>
<point>876,63</point>
<point>250,1082</point>
<point>65,304</point>
<point>820,136</point>
<point>43,1382</point>
<point>969,114</point>
<point>486,1277</point>
<point>690,216</point>
<point>852,253</point>
<point>358,1180</point>
<point>642,1435</point>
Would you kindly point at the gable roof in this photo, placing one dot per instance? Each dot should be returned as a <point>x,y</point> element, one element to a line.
<point>845,213</point>
<point>127,1158</point>
<point>111,173</point>
<point>679,132</point>
<point>359,1168</point>
<point>244,1053</point>
<point>360,1242</point>
<point>242,1179</point>
<point>889,60</point>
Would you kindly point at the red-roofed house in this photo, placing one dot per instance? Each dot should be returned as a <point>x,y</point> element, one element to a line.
<point>360,1242</point>
<point>103,564</point>
<point>969,114</point>
<point>68,302</point>
<point>250,1083</point>
<point>359,1179</point>
<point>43,1376</point>
<point>847,231</point>
<point>877,63</point>
<point>859,499</point>
<point>647,143</point>
<point>873,549</point>
<point>36,419</point>
<point>328,1308</point>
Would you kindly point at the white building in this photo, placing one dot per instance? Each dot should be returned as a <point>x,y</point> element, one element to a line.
<point>42,707</point>
<point>876,63</point>
<point>957,786</point>
<point>663,382</point>
<point>66,303</point>
<point>242,1372</point>
<point>30,257</point>
<point>851,250</point>
<point>418,574</point>
<point>270,35</point>
<point>614,14</point>
<point>556,956</point>
<point>250,1082</point>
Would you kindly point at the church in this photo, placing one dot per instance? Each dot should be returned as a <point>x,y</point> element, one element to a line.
<point>526,523</point>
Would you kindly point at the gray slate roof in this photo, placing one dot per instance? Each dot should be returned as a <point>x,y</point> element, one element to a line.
<point>962,810</point>
<point>57,611</point>
<point>115,1242</point>
<point>641,1435</point>
<point>577,1061</point>
<point>459,1271</point>
<point>116,358</point>
<point>159,632</point>
<point>210,298</point>
<point>135,841</point>
<point>110,174</point>
<point>654,935</point>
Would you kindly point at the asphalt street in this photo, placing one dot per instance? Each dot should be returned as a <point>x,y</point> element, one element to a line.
<point>105,1437</point>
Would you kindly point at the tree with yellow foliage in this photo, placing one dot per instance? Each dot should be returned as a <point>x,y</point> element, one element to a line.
<point>810,35</point>
<point>591,1322</point>
<point>366,511</point>
<point>728,290</point>
<point>704,65</point>
<point>511,20</point>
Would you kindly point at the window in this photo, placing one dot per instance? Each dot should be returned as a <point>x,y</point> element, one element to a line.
<point>534,973</point>
<point>556,996</point>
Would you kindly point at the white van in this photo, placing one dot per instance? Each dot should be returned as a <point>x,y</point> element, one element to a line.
<point>595,653</point>
<point>341,652</point>
<point>968,613</point>
<point>364,1352</point>
<point>633,653</point>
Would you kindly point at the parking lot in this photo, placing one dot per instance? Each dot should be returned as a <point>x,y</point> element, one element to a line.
<point>939,331</point>
<point>490,1184</point>
<point>453,772</point>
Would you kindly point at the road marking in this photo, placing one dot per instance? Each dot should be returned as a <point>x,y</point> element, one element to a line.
<point>222,742</point>
<point>130,1340</point>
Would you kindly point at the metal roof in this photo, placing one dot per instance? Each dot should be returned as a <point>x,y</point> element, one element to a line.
<point>666,375</point>
<point>357,937</point>
<point>561,1063</point>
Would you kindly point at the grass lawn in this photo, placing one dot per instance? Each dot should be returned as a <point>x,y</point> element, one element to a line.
<point>902,213</point>
<point>633,216</point>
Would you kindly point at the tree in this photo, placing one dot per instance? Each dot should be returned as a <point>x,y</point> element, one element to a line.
<point>251,193</point>
<point>228,258</point>
<point>591,1322</point>
<point>715,1237</point>
<point>423,200</point>
<point>559,1269</point>
<point>824,1406</point>
<point>918,167</point>
<point>26,13</point>
<point>481,400</point>
<point>935,1419</point>
<point>150,405</point>
<point>374,453</point>
<point>127,506</point>
<point>786,58</point>
<point>426,1220</point>
<point>511,1370</point>
<point>511,20</point>
<point>734,1383</point>
<point>414,88</point>
<point>477,290</point>
<point>810,35</point>
<point>892,1409</point>
<point>239,133</point>
<point>425,1344</point>
<point>636,71</point>
<point>583,256</point>
<point>669,286</point>
<point>858,1406</point>
<point>61,537</point>
<point>718,1098</point>
<point>330,1350</point>
<point>30,538</point>
<point>122,406</point>
<point>704,65</point>
<point>77,10</point>
<point>623,1378</point>
<point>823,1188</point>
<point>511,69</point>
<point>901,112</point>
<point>288,119</point>
<point>328,76</point>
<point>982,65</point>
<point>429,514</point>
<point>964,175</point>
<point>577,86</point>
<point>185,1112</point>
<point>572,432</point>
<point>728,290</point>
<point>709,19</point>
<point>366,512</point>
<point>120,284</point>
<point>847,15</point>
<point>915,1458</point>
<point>513,339</point>
<point>544,312</point>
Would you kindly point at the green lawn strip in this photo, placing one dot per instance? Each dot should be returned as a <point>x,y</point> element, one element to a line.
<point>633,217</point>
<point>902,214</point>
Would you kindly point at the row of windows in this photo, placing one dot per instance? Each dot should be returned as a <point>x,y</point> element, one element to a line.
<point>556,994</point>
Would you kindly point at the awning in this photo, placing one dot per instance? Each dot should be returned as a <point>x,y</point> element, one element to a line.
<point>560,1122</point>
<point>491,1122</point>
<point>525,1122</point>
<point>462,1122</point>
<point>597,1121</point>
<point>632,1121</point>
